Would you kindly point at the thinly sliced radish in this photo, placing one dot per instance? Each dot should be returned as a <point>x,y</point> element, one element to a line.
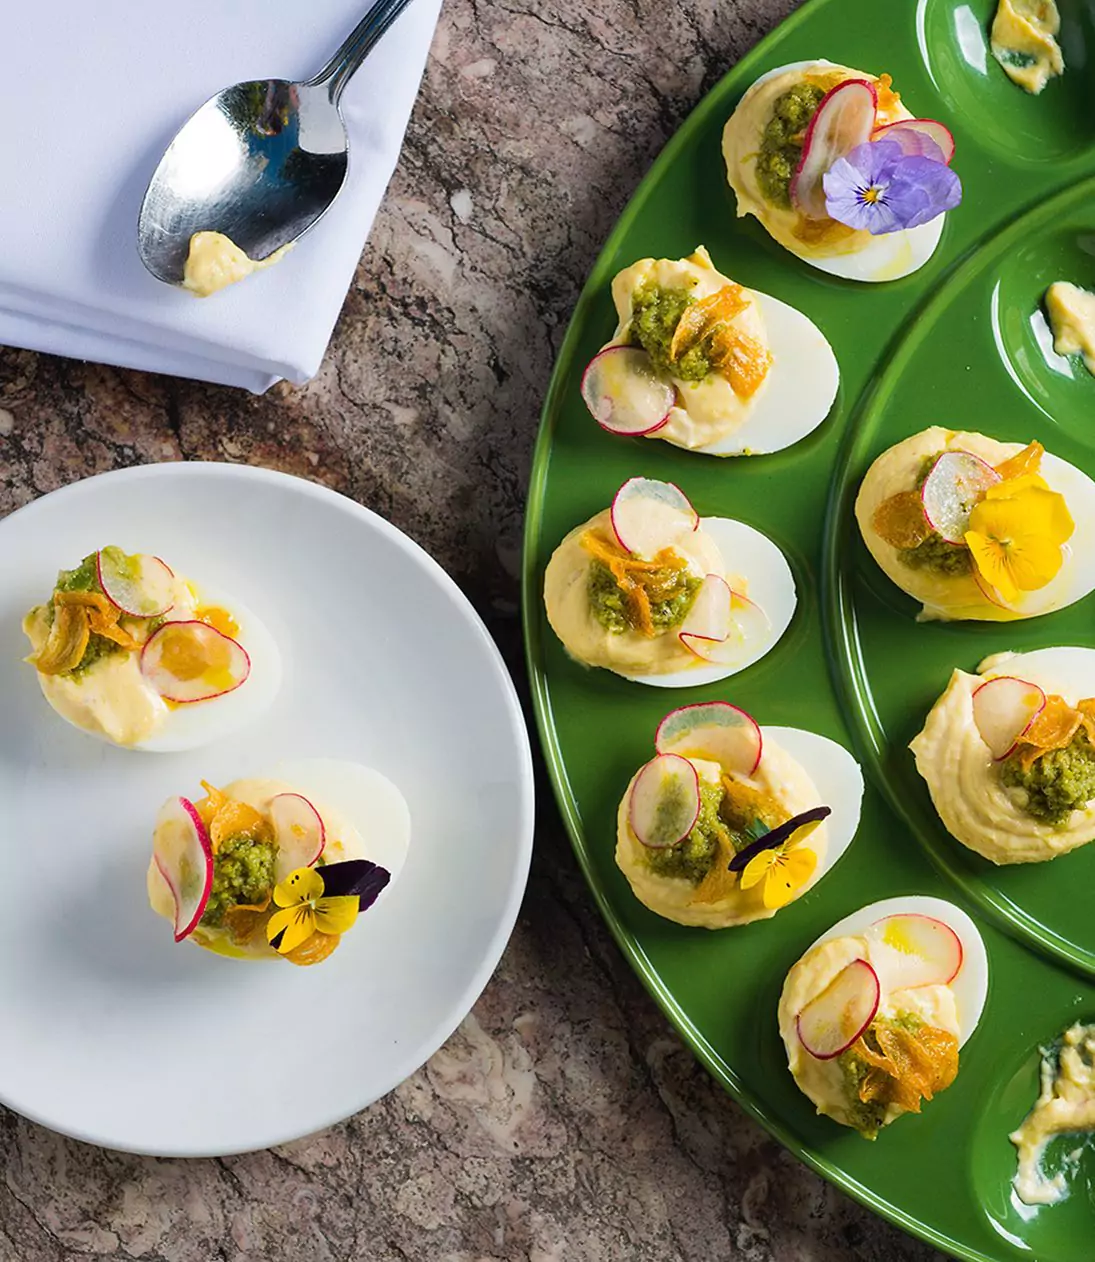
<point>141,586</point>
<point>665,801</point>
<point>989,592</point>
<point>298,831</point>
<point>648,516</point>
<point>1003,709</point>
<point>623,392</point>
<point>919,138</point>
<point>192,661</point>
<point>712,729</point>
<point>844,119</point>
<point>832,1021</point>
<point>181,851</point>
<point>914,950</point>
<point>957,481</point>
<point>749,625</point>
<point>711,615</point>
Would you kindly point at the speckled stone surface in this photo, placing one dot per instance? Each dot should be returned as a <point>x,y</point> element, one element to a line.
<point>564,1121</point>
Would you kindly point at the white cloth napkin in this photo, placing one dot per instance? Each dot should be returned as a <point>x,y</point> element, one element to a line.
<point>95,92</point>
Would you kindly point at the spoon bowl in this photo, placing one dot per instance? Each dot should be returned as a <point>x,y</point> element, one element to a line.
<point>260,162</point>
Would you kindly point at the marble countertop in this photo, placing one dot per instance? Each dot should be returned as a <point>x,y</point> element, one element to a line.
<point>564,1121</point>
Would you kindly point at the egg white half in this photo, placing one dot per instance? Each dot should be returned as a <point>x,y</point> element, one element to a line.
<point>881,258</point>
<point>838,780</point>
<point>203,722</point>
<point>1076,577</point>
<point>798,392</point>
<point>365,799</point>
<point>1067,670</point>
<point>771,585</point>
<point>971,985</point>
<point>886,257</point>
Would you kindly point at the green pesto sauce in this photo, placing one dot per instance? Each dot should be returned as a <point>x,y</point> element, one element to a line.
<point>655,314</point>
<point>781,143</point>
<point>693,858</point>
<point>243,872</point>
<point>84,578</point>
<point>937,555</point>
<point>1058,783</point>
<point>867,1116</point>
<point>98,647</point>
<point>671,595</point>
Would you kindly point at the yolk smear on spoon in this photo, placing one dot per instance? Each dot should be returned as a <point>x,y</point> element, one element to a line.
<point>216,261</point>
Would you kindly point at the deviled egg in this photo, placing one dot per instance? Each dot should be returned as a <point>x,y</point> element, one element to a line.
<point>703,363</point>
<point>839,172</point>
<point>978,529</point>
<point>1008,755</point>
<point>651,591</point>
<point>132,652</point>
<point>281,867</point>
<point>875,1012</point>
<point>729,822</point>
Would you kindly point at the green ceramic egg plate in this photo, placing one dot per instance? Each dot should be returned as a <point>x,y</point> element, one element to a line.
<point>955,344</point>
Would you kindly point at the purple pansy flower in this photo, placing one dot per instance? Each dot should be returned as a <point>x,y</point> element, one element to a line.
<point>879,188</point>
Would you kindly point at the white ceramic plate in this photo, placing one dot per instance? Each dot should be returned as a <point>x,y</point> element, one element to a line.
<point>111,1032</point>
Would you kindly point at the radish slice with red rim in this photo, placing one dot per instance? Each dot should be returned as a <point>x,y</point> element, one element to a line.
<point>715,730</point>
<point>749,625</point>
<point>990,593</point>
<point>913,950</point>
<point>192,661</point>
<point>957,482</point>
<point>648,515</point>
<point>711,616</point>
<point>623,392</point>
<point>665,801</point>
<point>141,586</point>
<point>1003,709</point>
<point>844,119</point>
<point>832,1021</point>
<point>184,857</point>
<point>299,832</point>
<point>920,138</point>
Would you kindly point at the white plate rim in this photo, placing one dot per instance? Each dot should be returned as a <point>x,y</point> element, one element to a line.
<point>417,1055</point>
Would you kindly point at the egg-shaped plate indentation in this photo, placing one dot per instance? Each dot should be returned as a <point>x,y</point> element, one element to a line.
<point>956,367</point>
<point>1062,386</point>
<point>1064,1230</point>
<point>1056,124</point>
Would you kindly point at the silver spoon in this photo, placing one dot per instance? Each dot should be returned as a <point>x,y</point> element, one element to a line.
<point>260,162</point>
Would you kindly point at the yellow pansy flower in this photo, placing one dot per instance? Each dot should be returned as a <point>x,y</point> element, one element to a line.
<point>775,861</point>
<point>783,869</point>
<point>1016,533</point>
<point>305,910</point>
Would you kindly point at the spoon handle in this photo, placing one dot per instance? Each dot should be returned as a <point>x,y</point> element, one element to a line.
<point>357,46</point>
